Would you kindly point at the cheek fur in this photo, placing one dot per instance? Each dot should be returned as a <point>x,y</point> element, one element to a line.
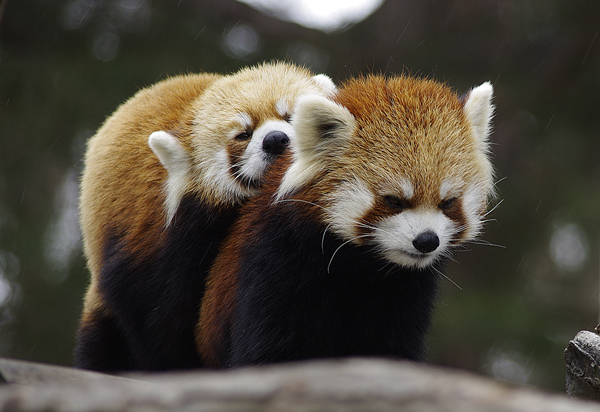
<point>235,152</point>
<point>473,205</point>
<point>456,214</point>
<point>216,177</point>
<point>347,207</point>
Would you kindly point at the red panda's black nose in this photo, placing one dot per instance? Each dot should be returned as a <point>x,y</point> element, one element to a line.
<point>275,142</point>
<point>426,242</point>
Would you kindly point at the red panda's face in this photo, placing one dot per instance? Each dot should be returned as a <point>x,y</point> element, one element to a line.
<point>401,165</point>
<point>255,140</point>
<point>406,227</point>
<point>243,124</point>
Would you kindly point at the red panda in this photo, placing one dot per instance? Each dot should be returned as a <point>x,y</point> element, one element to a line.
<point>340,254</point>
<point>162,182</point>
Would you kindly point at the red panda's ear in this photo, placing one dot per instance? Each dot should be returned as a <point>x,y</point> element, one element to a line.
<point>321,127</point>
<point>325,82</point>
<point>176,160</point>
<point>479,110</point>
<point>318,122</point>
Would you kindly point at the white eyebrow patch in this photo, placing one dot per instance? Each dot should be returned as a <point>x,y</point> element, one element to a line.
<point>401,187</point>
<point>244,119</point>
<point>449,189</point>
<point>283,107</point>
<point>407,188</point>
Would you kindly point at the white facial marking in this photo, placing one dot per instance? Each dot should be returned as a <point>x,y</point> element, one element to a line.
<point>255,161</point>
<point>473,200</point>
<point>394,236</point>
<point>283,107</point>
<point>407,188</point>
<point>448,189</point>
<point>245,120</point>
<point>349,203</point>
<point>214,175</point>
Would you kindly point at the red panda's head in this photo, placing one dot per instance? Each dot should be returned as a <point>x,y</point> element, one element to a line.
<point>400,164</point>
<point>241,123</point>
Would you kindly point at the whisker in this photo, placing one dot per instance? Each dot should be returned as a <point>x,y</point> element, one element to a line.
<point>329,226</point>
<point>494,208</point>
<point>448,255</point>
<point>499,180</point>
<point>342,245</point>
<point>390,266</point>
<point>489,220</point>
<point>366,226</point>
<point>323,239</point>
<point>439,272</point>
<point>300,201</point>
<point>241,178</point>
<point>486,243</point>
<point>373,228</point>
<point>390,270</point>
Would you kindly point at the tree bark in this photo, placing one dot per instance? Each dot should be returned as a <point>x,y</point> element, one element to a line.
<point>582,358</point>
<point>328,385</point>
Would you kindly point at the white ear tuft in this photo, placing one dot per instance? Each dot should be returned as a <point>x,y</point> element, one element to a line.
<point>175,158</point>
<point>321,127</point>
<point>326,84</point>
<point>168,150</point>
<point>479,110</point>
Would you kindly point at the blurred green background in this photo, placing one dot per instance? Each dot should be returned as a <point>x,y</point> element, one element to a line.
<point>67,64</point>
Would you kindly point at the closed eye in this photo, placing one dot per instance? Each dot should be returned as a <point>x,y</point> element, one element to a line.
<point>447,204</point>
<point>245,135</point>
<point>396,202</point>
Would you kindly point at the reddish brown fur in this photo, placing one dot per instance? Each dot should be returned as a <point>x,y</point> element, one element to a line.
<point>403,106</point>
<point>123,140</point>
<point>220,297</point>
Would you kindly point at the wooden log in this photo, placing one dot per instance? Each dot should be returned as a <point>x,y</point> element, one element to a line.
<point>328,385</point>
<point>582,359</point>
<point>31,373</point>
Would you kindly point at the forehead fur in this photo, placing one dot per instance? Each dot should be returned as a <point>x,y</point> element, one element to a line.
<point>257,91</point>
<point>407,129</point>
